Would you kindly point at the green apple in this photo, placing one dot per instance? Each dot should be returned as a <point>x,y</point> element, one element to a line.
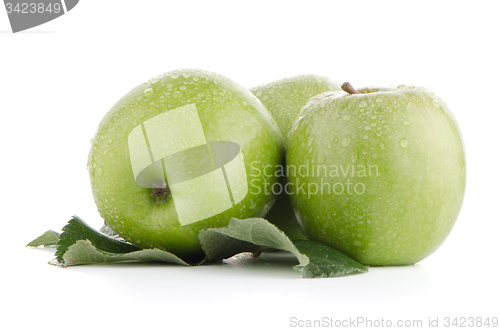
<point>284,98</point>
<point>180,153</point>
<point>378,174</point>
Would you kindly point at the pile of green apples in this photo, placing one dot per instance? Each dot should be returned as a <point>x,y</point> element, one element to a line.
<point>377,173</point>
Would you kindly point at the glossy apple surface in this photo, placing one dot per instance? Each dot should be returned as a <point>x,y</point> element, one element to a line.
<point>379,175</point>
<point>182,114</point>
<point>284,98</point>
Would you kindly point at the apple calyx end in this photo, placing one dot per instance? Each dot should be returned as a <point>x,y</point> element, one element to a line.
<point>347,87</point>
<point>160,194</point>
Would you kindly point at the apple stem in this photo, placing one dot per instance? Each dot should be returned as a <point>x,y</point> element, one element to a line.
<point>347,87</point>
<point>258,252</point>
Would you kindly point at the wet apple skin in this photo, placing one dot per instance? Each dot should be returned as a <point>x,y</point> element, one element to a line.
<point>227,111</point>
<point>284,98</point>
<point>411,143</point>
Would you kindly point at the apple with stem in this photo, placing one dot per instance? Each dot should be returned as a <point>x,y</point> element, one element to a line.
<point>180,153</point>
<point>377,173</point>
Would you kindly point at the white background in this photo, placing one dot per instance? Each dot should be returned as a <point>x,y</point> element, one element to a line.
<point>59,79</point>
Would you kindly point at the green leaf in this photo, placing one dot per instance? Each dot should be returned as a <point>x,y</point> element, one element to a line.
<point>256,235</point>
<point>325,261</point>
<point>80,244</point>
<point>218,246</point>
<point>84,252</point>
<point>49,238</point>
<point>76,229</point>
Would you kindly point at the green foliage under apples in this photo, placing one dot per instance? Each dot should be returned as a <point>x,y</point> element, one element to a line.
<point>80,244</point>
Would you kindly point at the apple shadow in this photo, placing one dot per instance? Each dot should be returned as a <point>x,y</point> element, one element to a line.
<point>268,265</point>
<point>406,276</point>
<point>277,264</point>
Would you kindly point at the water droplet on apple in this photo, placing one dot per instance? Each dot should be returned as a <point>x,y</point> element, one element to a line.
<point>406,123</point>
<point>196,79</point>
<point>177,94</point>
<point>154,81</point>
<point>329,146</point>
<point>252,204</point>
<point>404,143</point>
<point>374,117</point>
<point>365,137</point>
<point>368,127</point>
<point>174,75</point>
<point>346,141</point>
<point>259,93</point>
<point>186,75</point>
<point>346,118</point>
<point>182,88</point>
<point>363,104</point>
<point>110,141</point>
<point>148,92</point>
<point>379,100</point>
<point>310,141</point>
